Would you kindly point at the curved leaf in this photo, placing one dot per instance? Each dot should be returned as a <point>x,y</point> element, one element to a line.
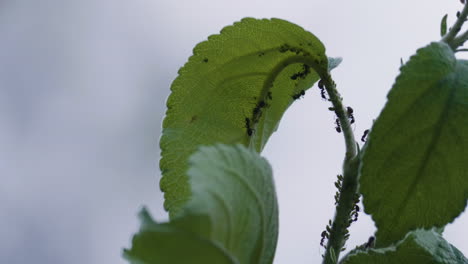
<point>418,247</point>
<point>167,244</point>
<point>414,172</point>
<point>234,89</point>
<point>233,209</point>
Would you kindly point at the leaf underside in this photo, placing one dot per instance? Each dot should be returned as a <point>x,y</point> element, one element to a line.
<point>232,216</point>
<point>418,247</point>
<point>414,172</point>
<point>235,89</point>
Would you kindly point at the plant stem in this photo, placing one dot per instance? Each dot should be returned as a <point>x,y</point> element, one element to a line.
<point>451,38</point>
<point>348,191</point>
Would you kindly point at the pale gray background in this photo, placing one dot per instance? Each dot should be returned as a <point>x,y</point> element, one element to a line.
<point>82,96</point>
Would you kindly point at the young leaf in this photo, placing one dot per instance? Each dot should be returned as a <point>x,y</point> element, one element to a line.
<point>443,26</point>
<point>233,209</point>
<point>414,172</point>
<point>235,89</point>
<point>418,247</point>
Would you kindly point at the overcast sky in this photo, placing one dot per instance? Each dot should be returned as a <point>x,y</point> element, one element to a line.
<point>83,86</point>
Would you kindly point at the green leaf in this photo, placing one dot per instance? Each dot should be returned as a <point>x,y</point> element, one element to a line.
<point>418,247</point>
<point>443,26</point>
<point>167,244</point>
<point>235,89</point>
<point>414,168</point>
<point>233,209</point>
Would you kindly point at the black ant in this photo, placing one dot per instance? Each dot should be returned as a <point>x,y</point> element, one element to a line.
<point>247,125</point>
<point>338,126</point>
<point>363,138</point>
<point>350,112</point>
<point>322,90</point>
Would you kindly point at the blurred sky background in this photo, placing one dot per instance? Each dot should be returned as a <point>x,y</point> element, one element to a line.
<point>83,86</point>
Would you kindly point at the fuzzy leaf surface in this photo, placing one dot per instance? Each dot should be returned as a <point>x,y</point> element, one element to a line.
<point>414,170</point>
<point>234,89</point>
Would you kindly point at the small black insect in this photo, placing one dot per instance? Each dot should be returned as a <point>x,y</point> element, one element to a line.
<point>298,95</point>
<point>284,48</point>
<point>322,93</point>
<point>321,86</point>
<point>338,126</point>
<point>323,235</point>
<point>205,60</point>
<point>249,128</point>
<point>258,109</point>
<point>269,96</point>
<point>363,138</point>
<point>337,198</point>
<point>370,243</point>
<point>458,14</point>
<point>349,112</point>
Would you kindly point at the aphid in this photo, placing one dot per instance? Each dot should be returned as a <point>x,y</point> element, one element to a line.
<point>363,138</point>
<point>350,112</point>
<point>370,243</point>
<point>269,96</point>
<point>258,109</point>
<point>337,198</point>
<point>247,125</point>
<point>205,60</point>
<point>302,74</point>
<point>458,14</point>
<point>298,95</point>
<point>338,185</point>
<point>356,199</point>
<point>338,126</point>
<point>331,108</point>
<point>284,48</point>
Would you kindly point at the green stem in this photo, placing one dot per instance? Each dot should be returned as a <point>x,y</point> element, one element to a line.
<point>451,38</point>
<point>348,191</point>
